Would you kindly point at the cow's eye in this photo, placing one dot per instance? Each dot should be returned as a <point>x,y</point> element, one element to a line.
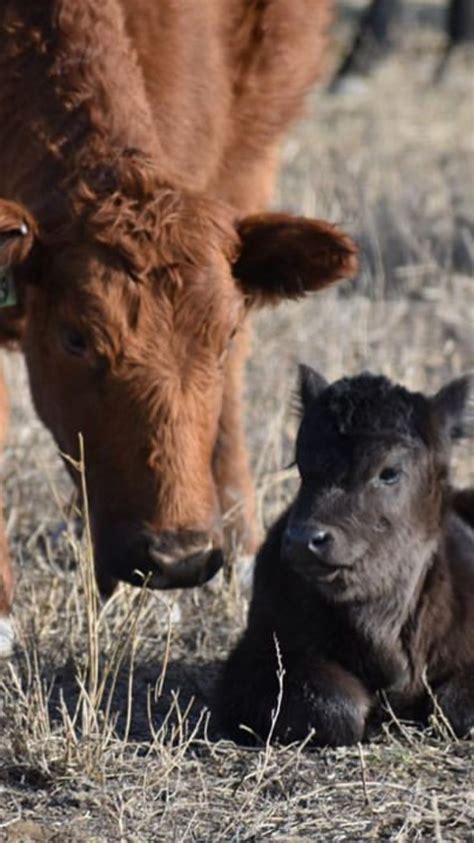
<point>228,346</point>
<point>231,337</point>
<point>389,475</point>
<point>73,341</point>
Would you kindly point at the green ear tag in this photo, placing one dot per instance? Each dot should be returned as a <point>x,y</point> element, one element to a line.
<point>7,288</point>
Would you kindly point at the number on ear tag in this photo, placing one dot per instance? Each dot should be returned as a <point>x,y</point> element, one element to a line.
<point>7,288</point>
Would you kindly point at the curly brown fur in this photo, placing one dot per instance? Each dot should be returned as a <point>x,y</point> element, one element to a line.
<point>135,136</point>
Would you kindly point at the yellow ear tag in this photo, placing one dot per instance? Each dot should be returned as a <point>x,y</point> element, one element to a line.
<point>7,288</point>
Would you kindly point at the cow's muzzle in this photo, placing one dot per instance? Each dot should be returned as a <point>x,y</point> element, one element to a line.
<point>181,559</point>
<point>192,561</point>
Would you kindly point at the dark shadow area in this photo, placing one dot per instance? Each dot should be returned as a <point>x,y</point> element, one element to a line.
<point>187,691</point>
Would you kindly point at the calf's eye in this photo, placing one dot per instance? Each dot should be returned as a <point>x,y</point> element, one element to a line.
<point>73,341</point>
<point>389,475</point>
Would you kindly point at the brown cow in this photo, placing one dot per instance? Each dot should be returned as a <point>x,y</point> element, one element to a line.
<point>367,581</point>
<point>135,137</point>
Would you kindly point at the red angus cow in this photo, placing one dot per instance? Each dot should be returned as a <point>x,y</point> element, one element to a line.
<point>135,139</point>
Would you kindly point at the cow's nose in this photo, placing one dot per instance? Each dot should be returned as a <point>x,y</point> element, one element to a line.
<point>185,564</point>
<point>307,542</point>
<point>173,559</point>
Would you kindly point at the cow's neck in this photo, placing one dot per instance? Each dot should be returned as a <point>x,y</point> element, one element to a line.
<point>72,97</point>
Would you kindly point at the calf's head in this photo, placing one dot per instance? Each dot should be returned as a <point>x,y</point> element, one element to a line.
<point>129,315</point>
<point>373,460</point>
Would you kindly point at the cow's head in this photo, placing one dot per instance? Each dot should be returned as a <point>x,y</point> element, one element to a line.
<point>129,316</point>
<point>374,464</point>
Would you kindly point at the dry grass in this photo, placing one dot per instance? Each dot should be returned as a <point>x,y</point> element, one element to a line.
<point>104,711</point>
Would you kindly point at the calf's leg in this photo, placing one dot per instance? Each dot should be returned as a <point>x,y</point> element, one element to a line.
<point>315,696</point>
<point>456,699</point>
<point>324,697</point>
<point>6,573</point>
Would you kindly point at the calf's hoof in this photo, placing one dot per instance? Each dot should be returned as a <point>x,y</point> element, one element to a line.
<point>7,638</point>
<point>456,700</point>
<point>339,721</point>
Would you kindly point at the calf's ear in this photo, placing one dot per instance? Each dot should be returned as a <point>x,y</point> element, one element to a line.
<point>284,257</point>
<point>453,407</point>
<point>311,383</point>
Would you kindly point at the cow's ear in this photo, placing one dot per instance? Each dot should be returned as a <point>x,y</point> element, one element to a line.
<point>17,233</point>
<point>284,257</point>
<point>453,407</point>
<point>311,384</point>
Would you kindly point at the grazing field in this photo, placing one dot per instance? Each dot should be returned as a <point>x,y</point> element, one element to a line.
<point>106,728</point>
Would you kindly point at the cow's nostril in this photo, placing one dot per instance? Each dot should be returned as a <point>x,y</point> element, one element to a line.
<point>171,559</point>
<point>183,560</point>
<point>319,540</point>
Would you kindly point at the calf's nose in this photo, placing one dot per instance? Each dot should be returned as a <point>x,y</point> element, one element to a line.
<point>307,542</point>
<point>319,541</point>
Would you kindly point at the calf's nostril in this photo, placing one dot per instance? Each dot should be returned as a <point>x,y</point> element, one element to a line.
<point>319,540</point>
<point>306,540</point>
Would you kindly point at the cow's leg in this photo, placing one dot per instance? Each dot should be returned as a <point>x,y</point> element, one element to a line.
<point>462,503</point>
<point>460,33</point>
<point>6,573</point>
<point>373,39</point>
<point>460,22</point>
<point>249,189</point>
<point>231,464</point>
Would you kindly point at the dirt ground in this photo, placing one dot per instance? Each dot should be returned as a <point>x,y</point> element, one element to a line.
<point>106,728</point>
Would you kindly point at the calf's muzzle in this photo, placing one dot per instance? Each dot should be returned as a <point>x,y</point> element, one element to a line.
<point>306,543</point>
